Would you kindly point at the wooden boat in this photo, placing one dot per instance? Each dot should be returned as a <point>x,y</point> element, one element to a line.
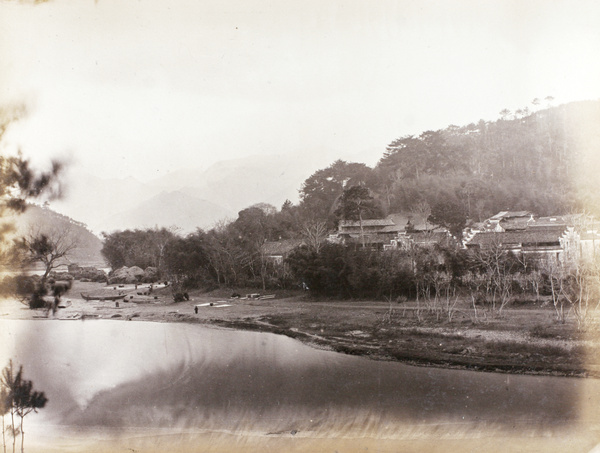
<point>92,297</point>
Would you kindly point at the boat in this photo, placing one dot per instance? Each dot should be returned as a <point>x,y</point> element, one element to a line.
<point>92,297</point>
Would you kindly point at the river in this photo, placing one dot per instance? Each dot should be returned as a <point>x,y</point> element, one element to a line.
<point>130,384</point>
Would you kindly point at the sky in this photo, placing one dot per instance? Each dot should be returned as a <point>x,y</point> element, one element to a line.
<point>143,88</point>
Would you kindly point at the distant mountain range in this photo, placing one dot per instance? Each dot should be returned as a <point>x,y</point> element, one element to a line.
<point>170,209</point>
<point>188,198</point>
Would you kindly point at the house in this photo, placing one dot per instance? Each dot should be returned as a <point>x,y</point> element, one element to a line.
<point>538,243</point>
<point>277,251</point>
<point>367,231</point>
<point>379,233</point>
<point>522,233</point>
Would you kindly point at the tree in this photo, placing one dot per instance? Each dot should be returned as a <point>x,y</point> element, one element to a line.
<point>140,248</point>
<point>495,268</point>
<point>27,400</point>
<point>580,287</point>
<point>320,191</point>
<point>21,399</point>
<point>19,182</point>
<point>5,405</point>
<point>186,261</point>
<point>49,248</point>
<point>314,234</point>
<point>450,215</point>
<point>504,113</point>
<point>8,381</point>
<point>356,203</point>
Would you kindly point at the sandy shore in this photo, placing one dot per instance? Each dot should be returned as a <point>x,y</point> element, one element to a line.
<point>512,343</point>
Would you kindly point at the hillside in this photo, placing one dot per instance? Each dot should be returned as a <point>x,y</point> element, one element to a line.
<point>546,162</point>
<point>87,252</point>
<point>95,200</point>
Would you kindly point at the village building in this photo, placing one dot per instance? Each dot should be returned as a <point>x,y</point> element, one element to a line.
<point>397,230</point>
<point>554,238</point>
<point>370,232</point>
<point>274,255</point>
<point>539,244</point>
<point>276,252</point>
<point>581,240</point>
<point>425,239</point>
<point>507,220</point>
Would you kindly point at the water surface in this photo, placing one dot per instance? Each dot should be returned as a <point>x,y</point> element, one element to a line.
<point>117,377</point>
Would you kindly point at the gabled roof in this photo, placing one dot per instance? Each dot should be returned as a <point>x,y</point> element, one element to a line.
<point>280,248</point>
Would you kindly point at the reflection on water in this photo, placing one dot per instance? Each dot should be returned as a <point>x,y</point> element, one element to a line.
<point>128,375</point>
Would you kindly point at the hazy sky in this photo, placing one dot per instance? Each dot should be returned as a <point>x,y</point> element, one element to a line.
<point>145,87</point>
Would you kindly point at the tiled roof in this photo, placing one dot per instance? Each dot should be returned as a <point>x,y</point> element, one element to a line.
<point>508,238</point>
<point>365,223</point>
<point>514,224</point>
<point>510,214</point>
<point>280,248</point>
<point>549,221</point>
<point>392,229</point>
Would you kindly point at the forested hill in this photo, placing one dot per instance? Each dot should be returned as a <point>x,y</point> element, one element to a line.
<point>88,246</point>
<point>547,161</point>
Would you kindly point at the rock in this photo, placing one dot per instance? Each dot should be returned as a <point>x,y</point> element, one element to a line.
<point>125,274</point>
<point>150,275</point>
<point>63,276</point>
<point>89,273</point>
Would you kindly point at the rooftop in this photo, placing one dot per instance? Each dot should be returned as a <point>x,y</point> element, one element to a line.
<point>280,248</point>
<point>507,238</point>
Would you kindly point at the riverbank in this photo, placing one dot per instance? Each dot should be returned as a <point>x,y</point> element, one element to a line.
<point>524,339</point>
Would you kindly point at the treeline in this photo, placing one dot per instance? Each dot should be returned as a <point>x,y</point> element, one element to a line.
<point>230,254</point>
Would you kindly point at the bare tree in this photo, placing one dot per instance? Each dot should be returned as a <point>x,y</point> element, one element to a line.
<point>496,267</point>
<point>579,287</point>
<point>314,234</point>
<point>556,276</point>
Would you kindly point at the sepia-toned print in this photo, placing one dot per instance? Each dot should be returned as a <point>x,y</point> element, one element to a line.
<point>299,226</point>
